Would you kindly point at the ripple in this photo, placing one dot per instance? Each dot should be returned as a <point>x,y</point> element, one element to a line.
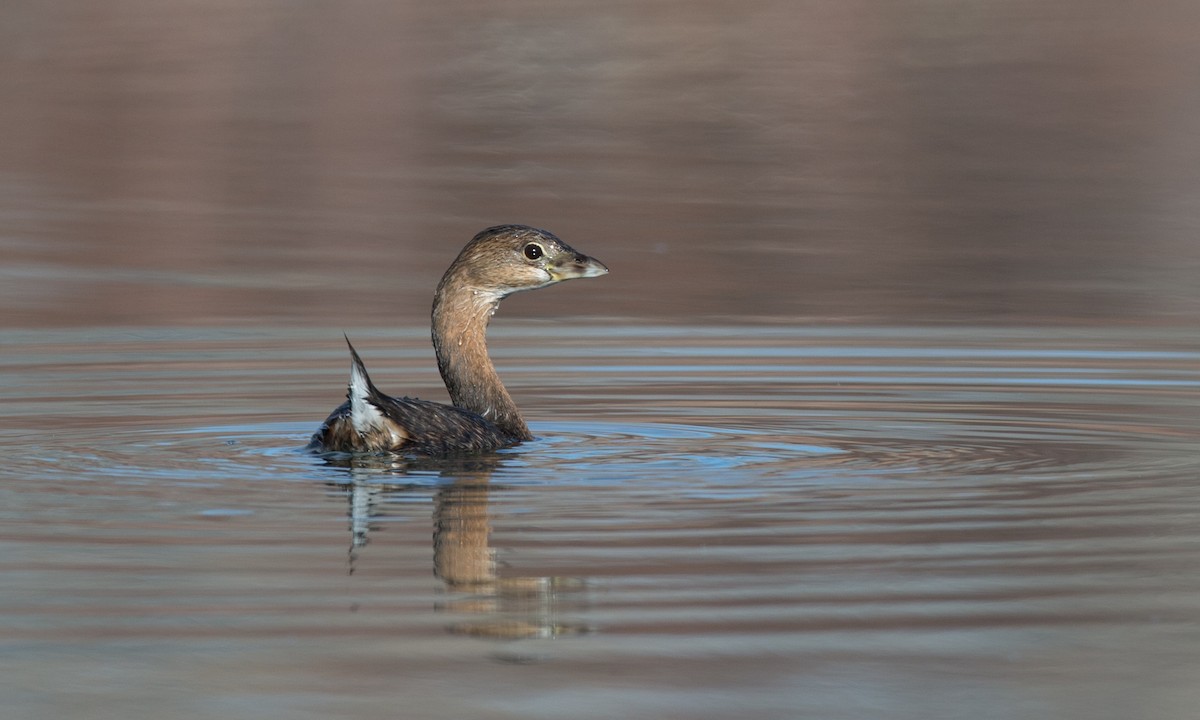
<point>920,441</point>
<point>213,454</point>
<point>772,401</point>
<point>735,493</point>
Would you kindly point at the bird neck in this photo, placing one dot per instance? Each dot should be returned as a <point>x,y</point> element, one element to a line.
<point>461,314</point>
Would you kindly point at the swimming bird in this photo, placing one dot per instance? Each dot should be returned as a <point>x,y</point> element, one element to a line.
<point>497,262</point>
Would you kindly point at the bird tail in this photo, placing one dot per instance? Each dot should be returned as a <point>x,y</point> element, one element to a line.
<point>365,415</point>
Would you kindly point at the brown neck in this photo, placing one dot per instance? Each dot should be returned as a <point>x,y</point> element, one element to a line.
<point>460,319</point>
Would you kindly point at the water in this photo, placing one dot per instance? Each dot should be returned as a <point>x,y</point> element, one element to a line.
<point>889,408</point>
<point>716,522</point>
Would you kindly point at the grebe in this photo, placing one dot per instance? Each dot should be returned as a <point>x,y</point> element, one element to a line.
<point>498,262</point>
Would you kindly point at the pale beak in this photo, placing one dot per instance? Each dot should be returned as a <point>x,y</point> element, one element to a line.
<point>576,265</point>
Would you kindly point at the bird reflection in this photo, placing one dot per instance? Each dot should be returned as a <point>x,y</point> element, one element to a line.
<point>490,604</point>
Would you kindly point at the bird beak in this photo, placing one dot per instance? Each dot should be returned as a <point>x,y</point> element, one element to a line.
<point>576,266</point>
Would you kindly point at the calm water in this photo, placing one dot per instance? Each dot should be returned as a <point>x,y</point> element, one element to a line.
<point>889,408</point>
<point>713,523</point>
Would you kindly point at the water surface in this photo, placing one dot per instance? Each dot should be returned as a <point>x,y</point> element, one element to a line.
<point>721,522</point>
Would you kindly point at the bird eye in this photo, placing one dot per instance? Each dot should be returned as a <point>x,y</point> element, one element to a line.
<point>533,251</point>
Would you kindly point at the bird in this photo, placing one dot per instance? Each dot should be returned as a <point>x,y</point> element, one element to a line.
<point>496,263</point>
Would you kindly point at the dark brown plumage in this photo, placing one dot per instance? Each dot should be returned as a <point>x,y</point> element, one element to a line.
<point>496,263</point>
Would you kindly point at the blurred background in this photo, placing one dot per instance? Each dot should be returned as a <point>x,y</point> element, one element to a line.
<point>228,163</point>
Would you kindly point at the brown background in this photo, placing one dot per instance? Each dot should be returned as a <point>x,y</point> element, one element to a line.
<point>232,163</point>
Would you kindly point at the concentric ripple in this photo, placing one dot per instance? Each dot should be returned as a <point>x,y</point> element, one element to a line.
<point>989,504</point>
<point>764,400</point>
